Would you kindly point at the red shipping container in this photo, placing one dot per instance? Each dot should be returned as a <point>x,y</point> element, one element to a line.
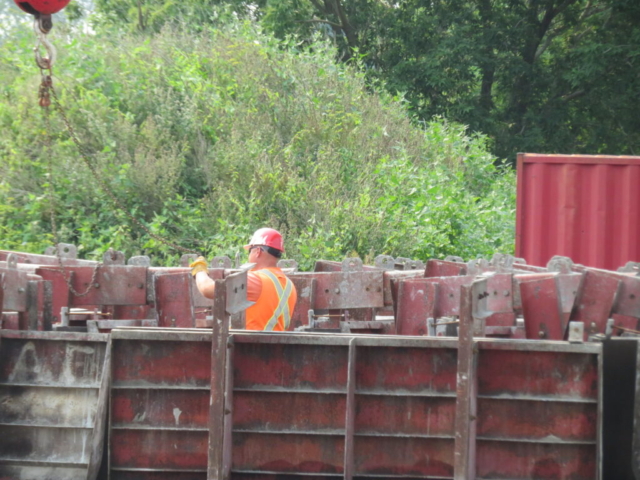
<point>579,206</point>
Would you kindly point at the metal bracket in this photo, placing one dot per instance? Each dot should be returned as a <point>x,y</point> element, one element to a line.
<point>560,264</point>
<point>631,267</point>
<point>237,290</point>
<point>140,261</point>
<point>503,263</point>
<point>289,264</point>
<point>385,262</point>
<point>187,258</point>
<point>63,250</point>
<point>352,265</point>
<point>576,332</point>
<point>113,257</point>
<point>221,261</point>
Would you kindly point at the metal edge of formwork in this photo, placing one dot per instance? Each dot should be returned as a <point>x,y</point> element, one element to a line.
<point>635,451</point>
<point>621,408</point>
<point>102,411</point>
<point>97,434</point>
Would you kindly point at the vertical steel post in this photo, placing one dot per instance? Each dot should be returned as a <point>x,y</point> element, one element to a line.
<point>466,389</point>
<point>218,368</point>
<point>228,412</point>
<point>350,412</point>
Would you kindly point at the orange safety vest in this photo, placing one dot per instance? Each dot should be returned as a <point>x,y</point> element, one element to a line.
<point>274,307</point>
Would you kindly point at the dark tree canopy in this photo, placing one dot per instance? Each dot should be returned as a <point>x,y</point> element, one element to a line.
<point>558,76</point>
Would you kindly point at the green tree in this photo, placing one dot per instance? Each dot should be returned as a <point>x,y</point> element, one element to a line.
<point>542,75</point>
<point>207,136</point>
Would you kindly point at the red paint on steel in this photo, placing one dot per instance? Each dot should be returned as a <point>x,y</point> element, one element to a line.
<point>412,457</point>
<point>173,300</point>
<point>156,407</point>
<point>442,268</point>
<point>583,207</point>
<point>416,302</point>
<point>288,453</point>
<point>408,415</point>
<point>142,475</point>
<point>116,285</point>
<point>158,449</point>
<point>60,291</point>
<point>159,407</point>
<point>403,370</point>
<point>162,364</point>
<point>297,367</point>
<point>535,460</point>
<point>340,290</point>
<point>543,317</point>
<point>449,294</point>
<point>594,301</point>
<point>537,420</point>
<point>306,288</point>
<point>521,374</point>
<point>264,411</point>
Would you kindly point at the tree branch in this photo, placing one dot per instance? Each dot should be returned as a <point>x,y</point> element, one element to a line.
<point>571,96</point>
<point>319,20</point>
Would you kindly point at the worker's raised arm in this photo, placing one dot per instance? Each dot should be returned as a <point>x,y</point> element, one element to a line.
<point>206,285</point>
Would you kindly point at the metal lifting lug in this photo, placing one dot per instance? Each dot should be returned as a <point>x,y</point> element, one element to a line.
<point>45,22</point>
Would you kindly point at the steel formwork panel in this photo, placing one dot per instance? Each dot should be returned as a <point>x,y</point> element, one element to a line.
<point>53,394</point>
<point>334,405</point>
<point>159,408</point>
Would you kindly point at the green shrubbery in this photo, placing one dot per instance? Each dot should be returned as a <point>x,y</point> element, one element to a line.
<point>208,137</point>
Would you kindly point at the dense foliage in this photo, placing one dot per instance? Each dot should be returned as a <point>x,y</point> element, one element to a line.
<point>206,137</point>
<point>547,76</point>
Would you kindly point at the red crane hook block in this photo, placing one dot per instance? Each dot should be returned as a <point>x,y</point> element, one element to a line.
<point>42,10</point>
<point>41,7</point>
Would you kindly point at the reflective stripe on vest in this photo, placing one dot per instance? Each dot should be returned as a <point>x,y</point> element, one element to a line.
<point>283,302</point>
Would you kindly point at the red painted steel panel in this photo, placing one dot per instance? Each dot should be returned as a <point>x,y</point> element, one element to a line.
<point>306,289</point>
<point>449,294</point>
<point>288,453</point>
<point>169,363</point>
<point>391,414</point>
<point>442,268</point>
<point>159,449</point>
<point>528,419</point>
<point>319,367</point>
<point>160,408</point>
<point>142,475</point>
<point>415,302</point>
<point>389,369</point>
<point>404,456</point>
<point>583,207</point>
<point>521,373</point>
<point>535,461</point>
<point>174,301</point>
<point>262,411</point>
<point>541,307</point>
<point>115,284</point>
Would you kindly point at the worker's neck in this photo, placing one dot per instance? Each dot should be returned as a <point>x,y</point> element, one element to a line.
<point>266,262</point>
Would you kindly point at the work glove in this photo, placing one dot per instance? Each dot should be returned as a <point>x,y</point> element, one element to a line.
<point>199,265</point>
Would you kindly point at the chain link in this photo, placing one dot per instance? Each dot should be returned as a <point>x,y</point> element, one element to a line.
<point>45,88</point>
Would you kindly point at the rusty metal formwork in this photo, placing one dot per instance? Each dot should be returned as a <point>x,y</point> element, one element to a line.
<point>159,405</point>
<point>53,398</point>
<point>451,369</point>
<point>347,406</point>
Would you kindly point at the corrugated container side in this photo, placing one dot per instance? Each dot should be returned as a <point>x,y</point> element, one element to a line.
<point>580,206</point>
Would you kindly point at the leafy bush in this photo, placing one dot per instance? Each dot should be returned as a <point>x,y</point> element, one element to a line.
<point>207,137</point>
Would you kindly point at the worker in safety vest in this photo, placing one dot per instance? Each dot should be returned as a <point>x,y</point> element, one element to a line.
<point>273,293</point>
